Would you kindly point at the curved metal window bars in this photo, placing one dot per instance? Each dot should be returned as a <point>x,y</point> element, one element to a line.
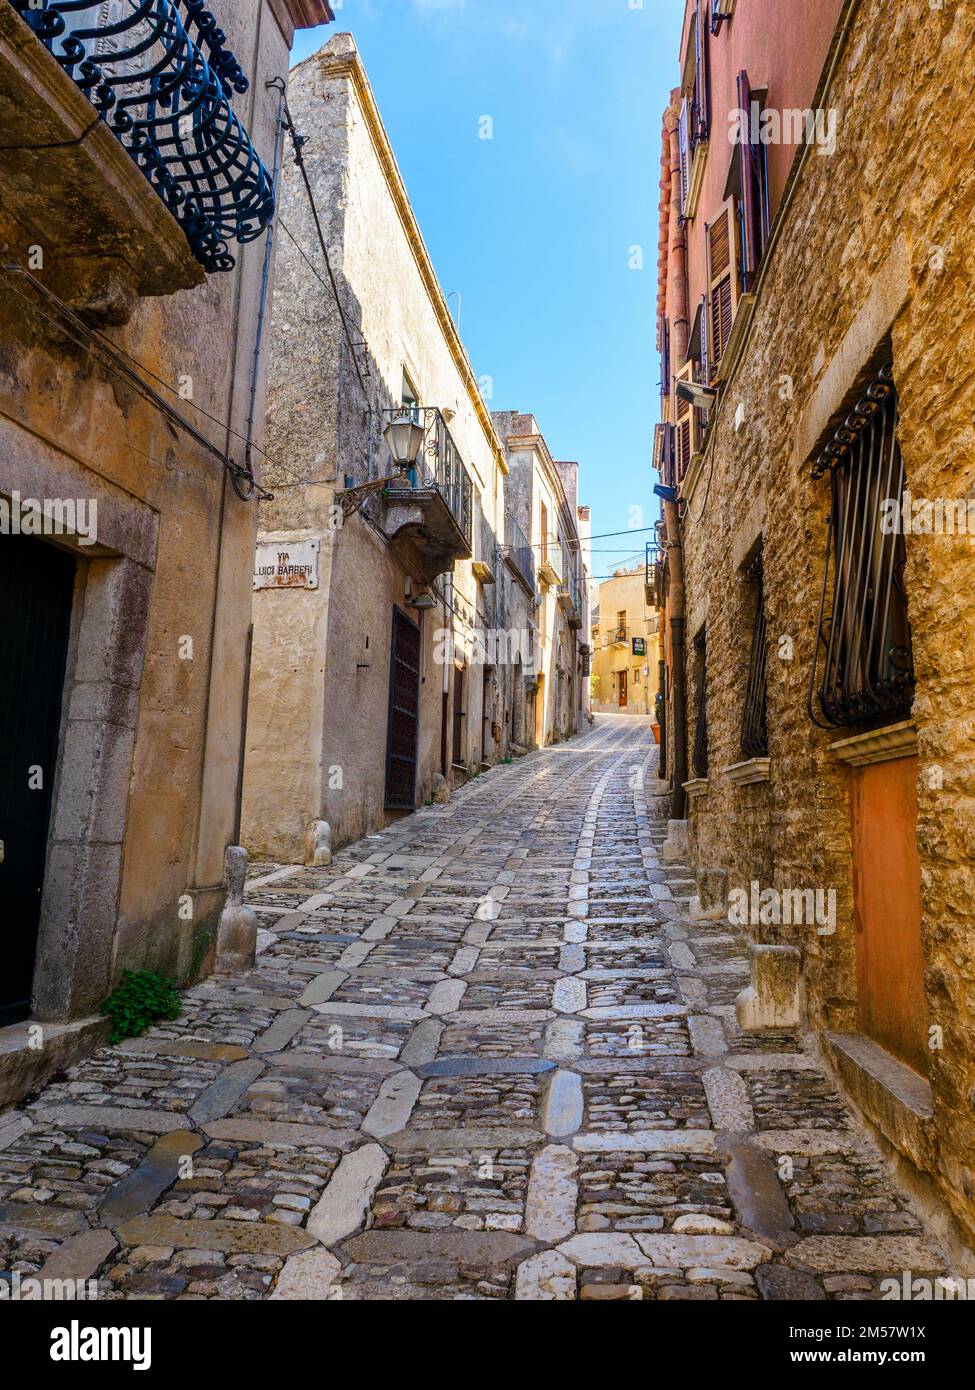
<point>754,724</point>
<point>700,760</point>
<point>166,95</point>
<point>863,669</point>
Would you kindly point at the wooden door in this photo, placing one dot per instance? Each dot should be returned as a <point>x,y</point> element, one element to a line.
<point>460,713</point>
<point>624,691</point>
<point>887,909</point>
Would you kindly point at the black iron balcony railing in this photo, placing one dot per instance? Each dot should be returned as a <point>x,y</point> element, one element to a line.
<point>653,557</point>
<point>166,95</point>
<point>439,466</point>
<point>520,552</point>
<point>571,583</point>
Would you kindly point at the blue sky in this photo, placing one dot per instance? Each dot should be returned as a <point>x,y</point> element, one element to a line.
<point>535,226</point>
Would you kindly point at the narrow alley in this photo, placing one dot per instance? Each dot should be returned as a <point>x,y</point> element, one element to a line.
<point>485,1054</point>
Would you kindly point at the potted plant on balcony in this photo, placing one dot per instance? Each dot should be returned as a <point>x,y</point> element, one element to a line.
<point>658,714</point>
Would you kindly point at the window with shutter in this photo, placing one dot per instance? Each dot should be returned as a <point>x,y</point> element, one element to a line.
<point>686,426</point>
<point>702,95</point>
<point>722,286</point>
<point>684,147</point>
<point>754,203</point>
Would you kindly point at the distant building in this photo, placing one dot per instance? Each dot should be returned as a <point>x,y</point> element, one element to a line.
<point>375,671</point>
<point>541,501</point>
<point>626,648</point>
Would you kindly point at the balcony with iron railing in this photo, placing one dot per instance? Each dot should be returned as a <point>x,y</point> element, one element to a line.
<point>430,506</point>
<point>550,566</point>
<point>167,180</point>
<point>570,598</point>
<point>653,578</point>
<point>519,555</point>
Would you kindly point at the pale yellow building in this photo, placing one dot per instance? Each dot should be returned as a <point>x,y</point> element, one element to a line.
<point>625,647</point>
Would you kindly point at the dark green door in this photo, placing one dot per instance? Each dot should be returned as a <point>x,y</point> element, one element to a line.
<point>36,586</point>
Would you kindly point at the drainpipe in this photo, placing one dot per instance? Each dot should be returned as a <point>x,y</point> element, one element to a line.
<point>680,329</point>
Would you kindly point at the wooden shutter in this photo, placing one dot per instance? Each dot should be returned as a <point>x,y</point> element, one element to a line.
<point>701,95</point>
<point>754,213</point>
<point>684,146</point>
<point>720,248</point>
<point>685,426</point>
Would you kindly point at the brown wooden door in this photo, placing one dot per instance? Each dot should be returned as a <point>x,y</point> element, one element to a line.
<point>624,691</point>
<point>887,909</point>
<point>404,715</point>
<point>460,712</point>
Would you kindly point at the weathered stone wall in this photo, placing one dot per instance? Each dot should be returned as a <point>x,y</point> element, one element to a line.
<point>145,799</point>
<point>320,687</point>
<point>875,242</point>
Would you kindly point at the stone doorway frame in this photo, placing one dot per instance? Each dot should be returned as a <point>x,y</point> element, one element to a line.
<point>106,656</point>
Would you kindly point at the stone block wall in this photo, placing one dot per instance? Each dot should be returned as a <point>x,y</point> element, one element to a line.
<point>873,255</point>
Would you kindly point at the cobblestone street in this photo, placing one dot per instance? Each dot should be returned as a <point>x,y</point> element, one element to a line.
<point>484,1054</point>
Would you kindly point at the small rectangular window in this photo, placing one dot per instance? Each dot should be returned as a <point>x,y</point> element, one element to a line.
<point>754,724</point>
<point>699,760</point>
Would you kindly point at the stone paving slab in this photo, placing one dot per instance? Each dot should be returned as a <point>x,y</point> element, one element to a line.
<point>485,1054</point>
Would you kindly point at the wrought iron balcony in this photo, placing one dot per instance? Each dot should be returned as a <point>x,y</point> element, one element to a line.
<point>430,507</point>
<point>550,567</point>
<point>160,74</point>
<point>569,599</point>
<point>519,554</point>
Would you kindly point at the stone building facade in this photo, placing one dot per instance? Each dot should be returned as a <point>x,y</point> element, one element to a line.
<point>819,687</point>
<point>375,680</point>
<point>131,420</point>
<point>542,503</point>
<point>626,647</point>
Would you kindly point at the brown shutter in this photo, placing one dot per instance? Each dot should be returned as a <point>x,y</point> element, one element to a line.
<point>685,425</point>
<point>684,147</point>
<point>721,284</point>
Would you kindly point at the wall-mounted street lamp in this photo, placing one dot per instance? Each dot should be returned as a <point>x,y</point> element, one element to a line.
<point>422,602</point>
<point>694,393</point>
<point>404,438</point>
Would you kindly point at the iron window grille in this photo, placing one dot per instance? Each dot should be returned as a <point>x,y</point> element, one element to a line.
<point>863,667</point>
<point>754,724</point>
<point>699,759</point>
<point>167,98</point>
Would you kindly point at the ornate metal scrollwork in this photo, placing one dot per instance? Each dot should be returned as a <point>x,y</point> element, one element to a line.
<point>168,100</point>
